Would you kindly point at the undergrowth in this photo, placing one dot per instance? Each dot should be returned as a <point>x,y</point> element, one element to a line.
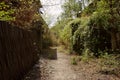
<point>110,63</point>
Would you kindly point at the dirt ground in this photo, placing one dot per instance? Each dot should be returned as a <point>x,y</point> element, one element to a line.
<point>60,68</point>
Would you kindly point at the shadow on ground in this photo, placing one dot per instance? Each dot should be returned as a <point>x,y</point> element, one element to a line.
<point>34,73</point>
<point>49,53</point>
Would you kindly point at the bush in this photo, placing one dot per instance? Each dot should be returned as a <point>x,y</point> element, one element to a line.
<point>66,36</point>
<point>99,38</point>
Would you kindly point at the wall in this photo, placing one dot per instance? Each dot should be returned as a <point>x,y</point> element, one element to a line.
<point>18,51</point>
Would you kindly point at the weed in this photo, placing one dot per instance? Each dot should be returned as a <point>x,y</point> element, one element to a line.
<point>74,60</point>
<point>86,55</point>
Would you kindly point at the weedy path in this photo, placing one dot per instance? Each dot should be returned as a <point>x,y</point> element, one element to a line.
<point>61,68</point>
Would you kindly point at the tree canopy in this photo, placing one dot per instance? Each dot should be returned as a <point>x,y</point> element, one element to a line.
<point>71,9</point>
<point>24,12</point>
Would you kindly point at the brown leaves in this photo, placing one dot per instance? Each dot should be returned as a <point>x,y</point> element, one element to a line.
<point>26,12</point>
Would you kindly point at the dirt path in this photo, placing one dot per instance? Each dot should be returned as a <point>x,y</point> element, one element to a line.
<point>60,68</point>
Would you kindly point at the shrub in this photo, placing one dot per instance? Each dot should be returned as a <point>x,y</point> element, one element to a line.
<point>99,37</point>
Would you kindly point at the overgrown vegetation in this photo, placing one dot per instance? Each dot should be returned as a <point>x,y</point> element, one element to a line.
<point>91,31</point>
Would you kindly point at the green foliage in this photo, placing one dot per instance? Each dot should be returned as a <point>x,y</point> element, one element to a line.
<point>74,34</point>
<point>80,35</point>
<point>92,30</point>
<point>71,9</point>
<point>59,26</point>
<point>87,55</point>
<point>6,12</point>
<point>99,20</point>
<point>65,36</point>
<point>90,35</point>
<point>100,25</point>
<point>110,63</point>
<point>109,12</point>
<point>99,34</point>
<point>26,12</point>
<point>90,9</point>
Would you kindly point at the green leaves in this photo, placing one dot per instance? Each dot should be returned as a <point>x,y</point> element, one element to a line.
<point>66,34</point>
<point>5,12</point>
<point>91,30</point>
<point>106,15</point>
<point>71,9</point>
<point>3,6</point>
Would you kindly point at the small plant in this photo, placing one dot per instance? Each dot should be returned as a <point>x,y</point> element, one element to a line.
<point>74,60</point>
<point>87,54</point>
